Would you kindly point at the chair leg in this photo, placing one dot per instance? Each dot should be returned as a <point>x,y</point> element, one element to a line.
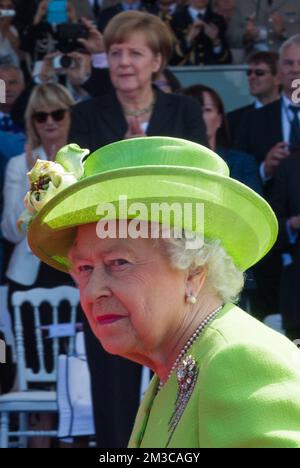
<point>4,427</point>
<point>23,425</point>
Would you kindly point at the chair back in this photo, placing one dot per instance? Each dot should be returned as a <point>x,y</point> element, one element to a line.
<point>35,298</point>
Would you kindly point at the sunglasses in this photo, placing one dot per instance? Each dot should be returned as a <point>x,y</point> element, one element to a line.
<point>257,72</point>
<point>58,115</point>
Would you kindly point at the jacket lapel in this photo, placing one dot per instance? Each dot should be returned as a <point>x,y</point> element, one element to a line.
<point>111,114</point>
<point>143,414</point>
<point>275,116</point>
<point>162,113</point>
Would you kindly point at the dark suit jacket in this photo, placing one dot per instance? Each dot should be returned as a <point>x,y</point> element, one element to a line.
<point>286,203</point>
<point>235,120</point>
<point>100,121</point>
<point>242,167</point>
<point>261,130</point>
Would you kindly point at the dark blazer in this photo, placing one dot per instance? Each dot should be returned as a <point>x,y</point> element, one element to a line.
<point>262,129</point>
<point>201,51</point>
<point>100,121</point>
<point>242,167</point>
<point>235,120</point>
<point>286,203</point>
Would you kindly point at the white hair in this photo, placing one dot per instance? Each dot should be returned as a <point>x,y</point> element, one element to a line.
<point>222,274</point>
<point>294,40</point>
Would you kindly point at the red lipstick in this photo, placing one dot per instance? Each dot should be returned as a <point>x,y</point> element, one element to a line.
<point>108,318</point>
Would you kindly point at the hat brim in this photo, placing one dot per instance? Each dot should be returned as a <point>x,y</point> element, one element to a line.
<point>233,213</point>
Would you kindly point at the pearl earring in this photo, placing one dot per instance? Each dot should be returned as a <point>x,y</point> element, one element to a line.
<point>190,298</point>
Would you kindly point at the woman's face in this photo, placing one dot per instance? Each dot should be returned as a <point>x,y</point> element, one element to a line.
<point>132,297</point>
<point>132,63</point>
<point>52,129</point>
<point>211,116</point>
<point>6,5</point>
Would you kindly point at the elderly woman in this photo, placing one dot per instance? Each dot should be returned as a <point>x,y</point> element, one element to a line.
<point>138,46</point>
<point>157,280</point>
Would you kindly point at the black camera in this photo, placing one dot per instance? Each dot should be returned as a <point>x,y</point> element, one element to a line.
<point>67,35</point>
<point>72,31</point>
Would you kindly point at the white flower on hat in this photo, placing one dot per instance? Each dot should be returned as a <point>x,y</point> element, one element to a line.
<point>48,178</point>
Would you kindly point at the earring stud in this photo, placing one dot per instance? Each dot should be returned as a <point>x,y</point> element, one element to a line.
<point>190,298</point>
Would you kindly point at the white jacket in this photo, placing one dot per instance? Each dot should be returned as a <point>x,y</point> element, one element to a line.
<point>23,266</point>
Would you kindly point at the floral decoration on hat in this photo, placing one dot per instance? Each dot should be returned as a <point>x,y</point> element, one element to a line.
<point>48,178</point>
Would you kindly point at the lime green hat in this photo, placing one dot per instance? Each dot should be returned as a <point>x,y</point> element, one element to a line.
<point>145,170</point>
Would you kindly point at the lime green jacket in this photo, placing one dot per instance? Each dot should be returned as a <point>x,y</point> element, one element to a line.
<point>247,392</point>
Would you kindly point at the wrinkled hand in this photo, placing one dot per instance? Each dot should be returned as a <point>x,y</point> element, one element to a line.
<point>41,11</point>
<point>134,129</point>
<point>278,23</point>
<point>275,156</point>
<point>94,43</point>
<point>81,70</point>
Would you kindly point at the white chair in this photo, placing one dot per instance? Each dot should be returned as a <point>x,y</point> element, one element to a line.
<point>74,394</point>
<point>26,400</point>
<point>5,320</point>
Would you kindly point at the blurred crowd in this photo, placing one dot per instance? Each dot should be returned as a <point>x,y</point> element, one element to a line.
<point>97,72</point>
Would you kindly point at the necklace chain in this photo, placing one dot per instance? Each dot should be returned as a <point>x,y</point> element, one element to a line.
<point>190,342</point>
<point>137,113</point>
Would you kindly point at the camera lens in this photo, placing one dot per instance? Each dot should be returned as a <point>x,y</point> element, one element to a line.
<point>65,61</point>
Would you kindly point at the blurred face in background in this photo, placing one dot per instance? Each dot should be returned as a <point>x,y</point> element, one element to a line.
<point>52,128</point>
<point>261,80</point>
<point>6,20</point>
<point>289,67</point>
<point>14,83</point>
<point>224,8</point>
<point>7,5</point>
<point>211,117</point>
<point>132,64</point>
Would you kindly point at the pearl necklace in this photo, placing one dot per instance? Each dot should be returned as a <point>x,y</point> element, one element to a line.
<point>190,342</point>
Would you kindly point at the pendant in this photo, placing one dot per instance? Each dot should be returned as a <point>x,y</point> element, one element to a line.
<point>187,373</point>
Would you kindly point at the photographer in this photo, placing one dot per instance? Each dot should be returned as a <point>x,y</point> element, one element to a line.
<point>40,37</point>
<point>87,77</point>
<point>200,36</point>
<point>9,37</point>
<point>72,70</point>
